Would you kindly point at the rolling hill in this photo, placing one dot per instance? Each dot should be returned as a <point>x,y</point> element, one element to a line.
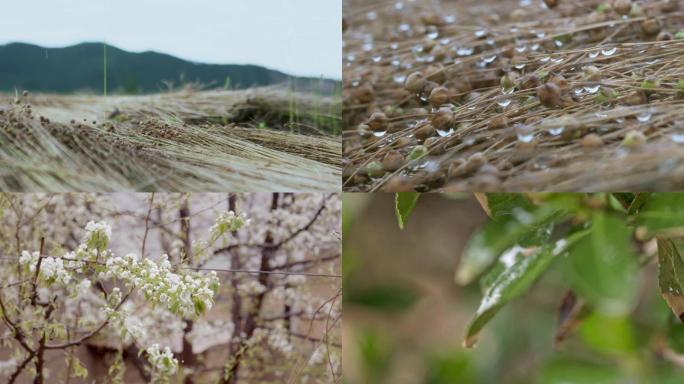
<point>80,68</point>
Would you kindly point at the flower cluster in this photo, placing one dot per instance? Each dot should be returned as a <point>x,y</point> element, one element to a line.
<point>228,222</point>
<point>51,269</point>
<point>183,294</point>
<point>163,362</point>
<point>97,235</point>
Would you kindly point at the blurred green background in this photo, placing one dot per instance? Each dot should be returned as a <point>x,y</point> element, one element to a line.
<point>405,318</point>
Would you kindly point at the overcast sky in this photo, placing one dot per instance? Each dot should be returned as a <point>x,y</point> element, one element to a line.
<point>301,37</point>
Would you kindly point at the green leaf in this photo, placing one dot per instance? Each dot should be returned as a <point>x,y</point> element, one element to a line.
<point>663,213</point>
<point>501,205</point>
<point>386,298</point>
<point>671,276</point>
<point>579,372</point>
<point>405,201</point>
<point>608,334</point>
<point>675,335</point>
<point>525,229</point>
<point>602,268</point>
<point>639,200</point>
<point>513,282</point>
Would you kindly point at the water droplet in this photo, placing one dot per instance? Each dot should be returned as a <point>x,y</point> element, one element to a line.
<point>520,66</point>
<point>480,33</point>
<point>645,116</point>
<point>609,51</point>
<point>594,54</point>
<point>489,59</point>
<point>417,48</point>
<point>398,5</point>
<point>545,59</point>
<point>404,27</point>
<point>367,47</point>
<point>372,15</point>
<point>555,131</point>
<point>465,51</point>
<point>592,89</point>
<point>541,34</point>
<point>503,101</point>
<point>521,48</point>
<point>534,47</point>
<point>394,46</point>
<point>525,133</point>
<point>445,41</point>
<point>399,78</point>
<point>379,133</point>
<point>558,43</point>
<point>445,133</point>
<point>507,91</point>
<point>678,137</point>
<point>579,91</point>
<point>376,58</point>
<point>557,60</point>
<point>433,35</point>
<point>450,19</point>
<point>351,57</point>
<point>396,63</point>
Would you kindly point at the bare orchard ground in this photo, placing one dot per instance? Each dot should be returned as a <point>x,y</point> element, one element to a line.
<point>514,95</point>
<point>256,140</point>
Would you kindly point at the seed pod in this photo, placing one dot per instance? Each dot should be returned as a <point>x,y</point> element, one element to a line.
<point>559,80</point>
<point>399,183</point>
<point>509,80</point>
<point>435,145</point>
<point>392,161</point>
<point>622,6</point>
<point>377,122</point>
<point>475,161</point>
<point>442,118</point>
<point>374,169</point>
<point>634,139</point>
<point>650,27</point>
<point>591,140</point>
<point>530,81</point>
<point>664,36</point>
<point>636,98</point>
<point>363,94</point>
<point>457,169</point>
<point>592,73</point>
<point>439,96</point>
<point>549,95</point>
<point>669,5</point>
<point>417,152</point>
<point>551,3</point>
<point>415,82</point>
<point>424,131</point>
<point>498,122</point>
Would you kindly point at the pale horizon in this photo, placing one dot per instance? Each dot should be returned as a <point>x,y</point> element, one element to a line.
<point>297,37</point>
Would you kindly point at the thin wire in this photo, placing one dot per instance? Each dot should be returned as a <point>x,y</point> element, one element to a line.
<point>250,271</point>
<point>266,272</point>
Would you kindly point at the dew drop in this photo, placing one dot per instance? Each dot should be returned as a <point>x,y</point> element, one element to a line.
<point>465,51</point>
<point>372,15</point>
<point>558,43</point>
<point>480,33</point>
<point>394,46</point>
<point>645,116</point>
<point>545,59</point>
<point>594,54</point>
<point>608,51</point>
<point>379,133</point>
<point>555,131</point>
<point>404,27</point>
<point>445,133</point>
<point>489,59</point>
<point>525,133</point>
<point>399,78</point>
<point>376,58</point>
<point>592,89</point>
<point>433,35</point>
<point>503,102</point>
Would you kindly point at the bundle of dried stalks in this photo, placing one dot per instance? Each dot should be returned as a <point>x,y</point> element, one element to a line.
<point>179,141</point>
<point>513,95</point>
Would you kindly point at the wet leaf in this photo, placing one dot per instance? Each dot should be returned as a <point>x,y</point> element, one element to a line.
<point>513,282</point>
<point>602,268</point>
<point>671,276</point>
<point>485,247</point>
<point>663,213</point>
<point>405,201</point>
<point>501,205</point>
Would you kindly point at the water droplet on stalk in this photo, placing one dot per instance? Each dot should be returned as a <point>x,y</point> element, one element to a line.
<point>609,51</point>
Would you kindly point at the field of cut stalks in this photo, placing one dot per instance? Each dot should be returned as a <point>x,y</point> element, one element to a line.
<point>551,95</point>
<point>255,140</point>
